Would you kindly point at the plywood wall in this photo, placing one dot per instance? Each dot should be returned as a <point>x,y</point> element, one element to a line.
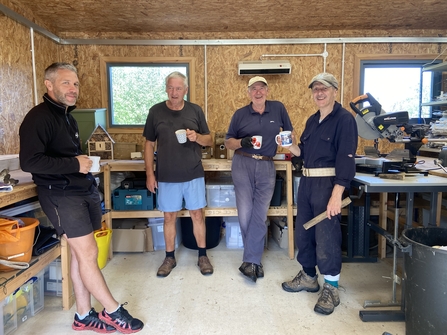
<point>220,96</point>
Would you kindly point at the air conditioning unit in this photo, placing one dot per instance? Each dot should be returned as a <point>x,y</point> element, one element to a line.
<point>264,67</point>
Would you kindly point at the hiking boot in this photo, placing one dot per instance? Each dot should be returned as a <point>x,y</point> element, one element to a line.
<point>328,300</point>
<point>249,270</point>
<point>302,282</point>
<point>259,271</point>
<point>122,320</point>
<point>205,266</point>
<point>92,322</point>
<point>165,269</point>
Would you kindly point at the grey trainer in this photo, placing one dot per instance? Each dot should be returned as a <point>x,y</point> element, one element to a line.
<point>302,282</point>
<point>328,300</point>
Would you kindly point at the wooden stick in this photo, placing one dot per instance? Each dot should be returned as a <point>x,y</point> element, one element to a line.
<point>346,201</point>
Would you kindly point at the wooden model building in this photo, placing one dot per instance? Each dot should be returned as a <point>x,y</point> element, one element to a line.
<point>100,143</point>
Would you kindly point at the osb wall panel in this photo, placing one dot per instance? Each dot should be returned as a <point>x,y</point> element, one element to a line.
<point>15,82</point>
<point>87,57</point>
<point>16,78</point>
<point>227,91</point>
<point>46,53</point>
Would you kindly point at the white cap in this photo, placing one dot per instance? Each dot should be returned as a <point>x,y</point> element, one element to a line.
<point>257,79</point>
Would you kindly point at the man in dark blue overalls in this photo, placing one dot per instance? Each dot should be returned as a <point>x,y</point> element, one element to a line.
<point>327,147</point>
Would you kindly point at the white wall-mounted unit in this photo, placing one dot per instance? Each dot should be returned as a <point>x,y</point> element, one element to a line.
<point>264,67</point>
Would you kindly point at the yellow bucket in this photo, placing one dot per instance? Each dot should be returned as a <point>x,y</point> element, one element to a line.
<point>102,238</point>
<point>16,243</point>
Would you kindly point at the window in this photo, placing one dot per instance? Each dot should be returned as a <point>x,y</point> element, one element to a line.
<point>400,85</point>
<point>133,86</point>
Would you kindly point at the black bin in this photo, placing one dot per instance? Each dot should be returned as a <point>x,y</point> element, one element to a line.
<point>425,282</point>
<point>213,226</point>
<point>277,194</point>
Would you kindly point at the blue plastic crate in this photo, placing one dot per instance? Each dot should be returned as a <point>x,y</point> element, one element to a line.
<point>133,199</point>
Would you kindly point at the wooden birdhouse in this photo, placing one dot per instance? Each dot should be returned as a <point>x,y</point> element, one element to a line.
<point>100,143</point>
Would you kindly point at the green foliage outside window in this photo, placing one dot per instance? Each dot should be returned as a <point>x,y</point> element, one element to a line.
<point>134,89</point>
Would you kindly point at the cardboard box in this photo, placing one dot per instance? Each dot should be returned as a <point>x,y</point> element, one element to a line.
<point>280,232</point>
<point>131,235</point>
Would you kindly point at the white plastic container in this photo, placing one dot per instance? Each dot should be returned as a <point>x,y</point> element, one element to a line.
<point>220,193</point>
<point>158,238</point>
<point>233,235</point>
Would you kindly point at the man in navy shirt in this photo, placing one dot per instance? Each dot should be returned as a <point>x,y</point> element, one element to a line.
<point>327,147</point>
<point>252,168</point>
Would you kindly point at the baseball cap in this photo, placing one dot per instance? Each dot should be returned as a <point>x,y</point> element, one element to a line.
<point>256,79</point>
<point>326,79</point>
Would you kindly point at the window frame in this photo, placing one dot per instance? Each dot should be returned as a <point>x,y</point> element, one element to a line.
<point>386,58</point>
<point>105,62</point>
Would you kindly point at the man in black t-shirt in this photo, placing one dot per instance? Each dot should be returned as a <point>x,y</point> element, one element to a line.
<point>179,173</point>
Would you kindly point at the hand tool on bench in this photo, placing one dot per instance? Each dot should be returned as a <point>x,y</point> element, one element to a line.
<point>346,201</point>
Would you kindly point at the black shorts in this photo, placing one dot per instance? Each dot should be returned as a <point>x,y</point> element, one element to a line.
<point>74,216</point>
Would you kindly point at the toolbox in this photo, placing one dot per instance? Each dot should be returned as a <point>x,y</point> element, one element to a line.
<point>133,199</point>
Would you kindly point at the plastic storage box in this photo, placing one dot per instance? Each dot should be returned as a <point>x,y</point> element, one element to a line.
<point>133,199</point>
<point>38,293</point>
<point>9,319</point>
<point>220,193</point>
<point>233,236</point>
<point>156,225</point>
<point>24,302</point>
<point>53,278</point>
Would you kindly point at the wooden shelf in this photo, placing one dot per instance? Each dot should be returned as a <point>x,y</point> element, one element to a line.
<point>12,280</point>
<point>209,165</point>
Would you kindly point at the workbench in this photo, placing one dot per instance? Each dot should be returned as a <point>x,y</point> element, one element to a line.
<point>368,183</point>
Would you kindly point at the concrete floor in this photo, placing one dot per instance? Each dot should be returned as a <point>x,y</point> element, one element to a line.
<point>188,303</point>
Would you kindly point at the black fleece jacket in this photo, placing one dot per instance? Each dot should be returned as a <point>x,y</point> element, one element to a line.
<point>49,142</point>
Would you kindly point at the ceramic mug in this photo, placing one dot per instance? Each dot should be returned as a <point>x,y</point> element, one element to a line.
<point>181,135</point>
<point>95,166</point>
<point>256,141</point>
<point>284,138</point>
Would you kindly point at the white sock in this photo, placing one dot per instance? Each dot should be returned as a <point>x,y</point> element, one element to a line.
<point>114,310</point>
<point>82,317</point>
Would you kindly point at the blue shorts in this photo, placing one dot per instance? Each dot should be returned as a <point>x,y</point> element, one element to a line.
<point>170,195</point>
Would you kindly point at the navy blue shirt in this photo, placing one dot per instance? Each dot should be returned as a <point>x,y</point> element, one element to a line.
<point>246,122</point>
<point>331,143</point>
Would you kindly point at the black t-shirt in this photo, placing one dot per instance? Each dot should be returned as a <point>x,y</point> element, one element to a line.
<point>175,162</point>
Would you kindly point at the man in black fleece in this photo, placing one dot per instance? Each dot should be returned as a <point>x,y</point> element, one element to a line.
<point>51,150</point>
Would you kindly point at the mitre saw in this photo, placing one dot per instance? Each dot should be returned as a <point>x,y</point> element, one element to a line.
<point>374,123</point>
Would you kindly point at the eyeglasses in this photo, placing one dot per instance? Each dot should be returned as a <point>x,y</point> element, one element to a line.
<point>258,89</point>
<point>320,89</point>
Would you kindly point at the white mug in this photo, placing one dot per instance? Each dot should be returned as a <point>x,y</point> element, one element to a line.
<point>181,135</point>
<point>284,138</point>
<point>256,141</point>
<point>95,166</point>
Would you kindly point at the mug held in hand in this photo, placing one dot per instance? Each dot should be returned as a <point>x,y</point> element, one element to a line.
<point>284,138</point>
<point>246,142</point>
